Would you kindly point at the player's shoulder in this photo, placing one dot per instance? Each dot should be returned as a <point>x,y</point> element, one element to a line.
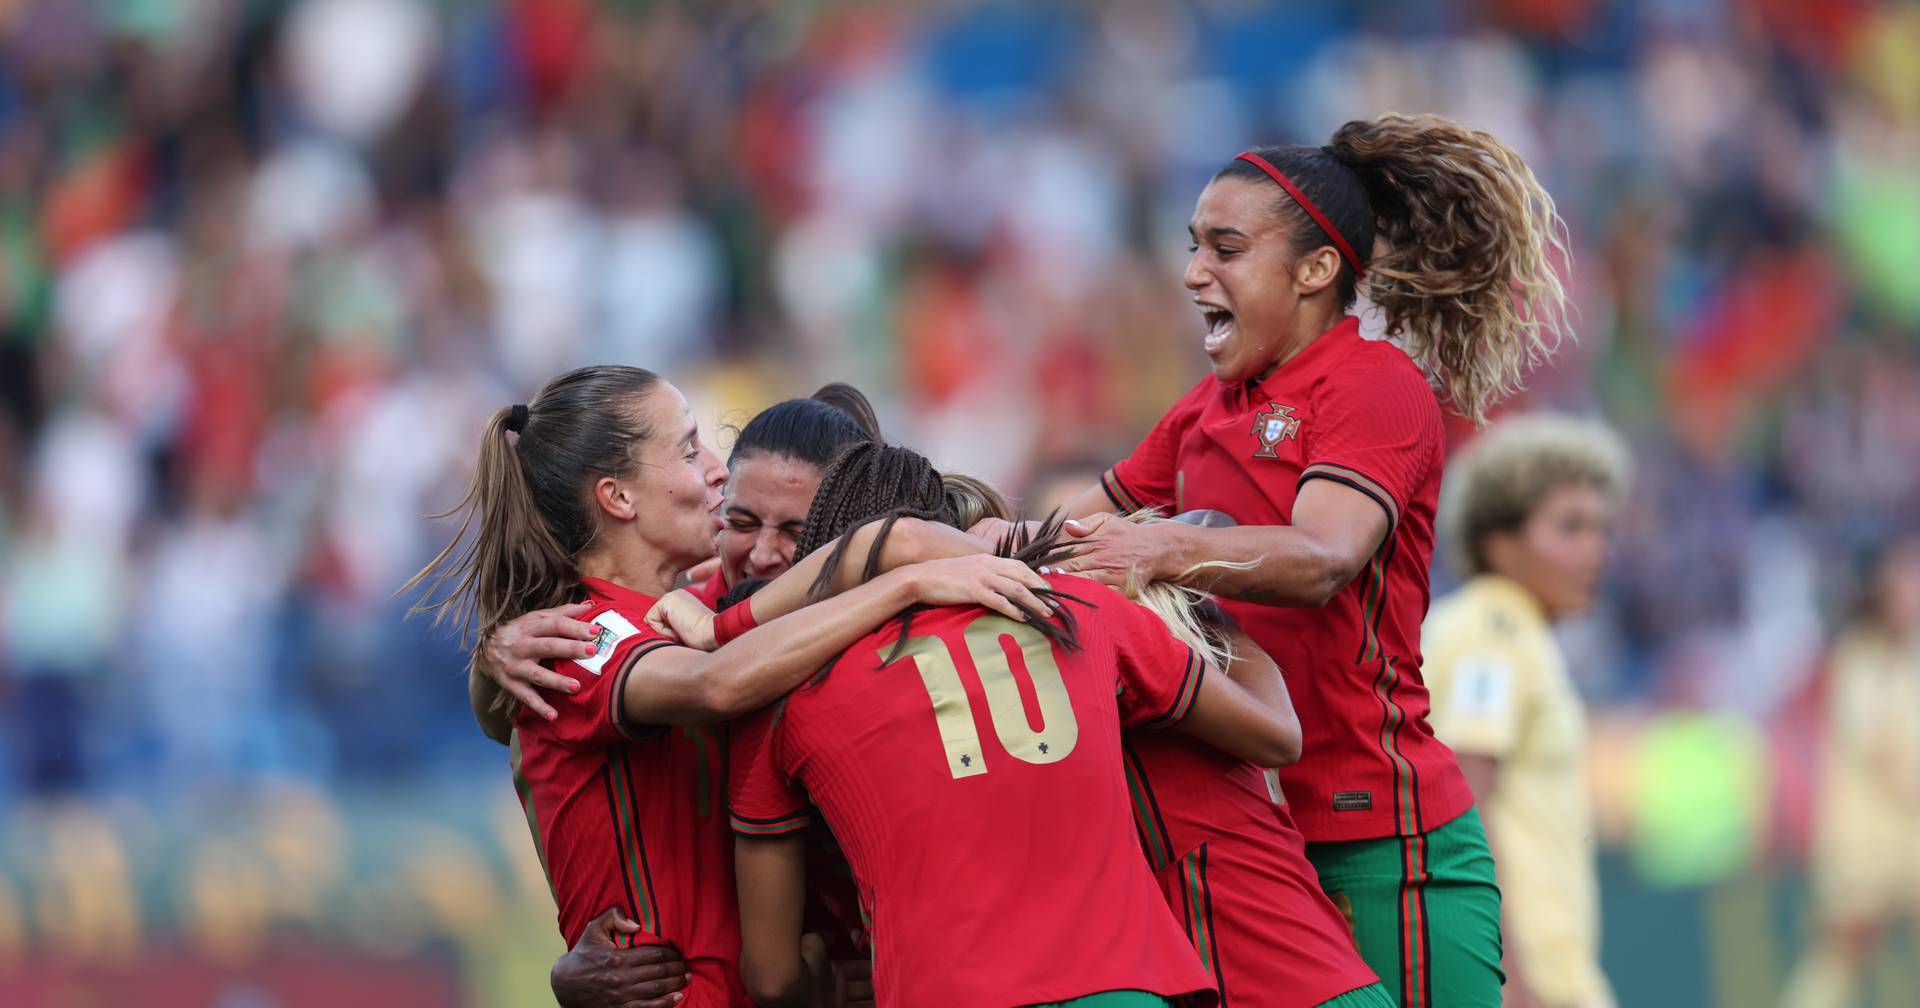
<point>1374,368</point>
<point>1487,615</point>
<point>1196,398</point>
<point>619,630</point>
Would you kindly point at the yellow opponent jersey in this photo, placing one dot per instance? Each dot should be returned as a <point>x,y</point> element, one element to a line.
<point>1500,689</point>
<point>1866,862</point>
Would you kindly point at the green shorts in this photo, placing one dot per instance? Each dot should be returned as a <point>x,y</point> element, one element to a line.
<point>1111,999</point>
<point>1425,912</point>
<point>1371,996</point>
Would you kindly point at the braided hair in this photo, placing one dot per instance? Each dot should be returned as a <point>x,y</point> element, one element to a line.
<point>873,481</point>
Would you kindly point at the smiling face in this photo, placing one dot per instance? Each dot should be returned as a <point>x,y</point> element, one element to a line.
<point>1242,275</point>
<point>766,509</point>
<point>674,495</point>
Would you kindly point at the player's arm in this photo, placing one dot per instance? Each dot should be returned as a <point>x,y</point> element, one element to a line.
<point>1232,719</point>
<point>1257,673</point>
<point>1336,530</point>
<point>1164,683</point>
<point>685,685</point>
<point>949,567</point>
<point>771,875</point>
<point>483,694</point>
<point>909,541</point>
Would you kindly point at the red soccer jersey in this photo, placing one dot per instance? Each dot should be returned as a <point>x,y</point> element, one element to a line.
<point>977,789</point>
<point>1235,872</point>
<point>1360,413</point>
<point>711,590</point>
<point>632,816</point>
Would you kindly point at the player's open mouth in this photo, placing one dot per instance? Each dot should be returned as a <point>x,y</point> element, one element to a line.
<point>1219,328</point>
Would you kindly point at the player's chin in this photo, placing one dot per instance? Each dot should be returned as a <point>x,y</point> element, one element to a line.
<point>1231,367</point>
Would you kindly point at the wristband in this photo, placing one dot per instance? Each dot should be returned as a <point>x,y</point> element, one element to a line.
<point>738,619</point>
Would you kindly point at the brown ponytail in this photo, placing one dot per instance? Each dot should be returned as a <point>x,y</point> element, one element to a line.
<point>531,498</point>
<point>1468,281</point>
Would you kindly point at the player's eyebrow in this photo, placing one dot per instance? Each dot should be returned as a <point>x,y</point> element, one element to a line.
<point>1216,232</point>
<point>692,434</point>
<point>733,509</point>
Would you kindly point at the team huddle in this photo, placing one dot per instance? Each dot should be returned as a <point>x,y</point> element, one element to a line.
<point>902,744</point>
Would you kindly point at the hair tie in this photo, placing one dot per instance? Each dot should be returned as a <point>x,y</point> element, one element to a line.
<point>1326,226</point>
<point>517,417</point>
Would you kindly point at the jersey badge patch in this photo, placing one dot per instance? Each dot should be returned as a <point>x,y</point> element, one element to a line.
<point>613,628</point>
<point>1275,425</point>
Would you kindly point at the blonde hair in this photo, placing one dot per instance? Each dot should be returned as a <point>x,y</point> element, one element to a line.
<point>1498,481</point>
<point>973,500</point>
<point>1182,607</point>
<point>1468,282</point>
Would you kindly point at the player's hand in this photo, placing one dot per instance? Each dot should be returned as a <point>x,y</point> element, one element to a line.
<point>998,583</point>
<point>512,652</point>
<point>1113,551</point>
<point>684,618</point>
<point>856,976</point>
<point>597,974</point>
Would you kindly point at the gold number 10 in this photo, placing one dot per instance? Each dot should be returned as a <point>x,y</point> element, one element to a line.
<point>986,639</point>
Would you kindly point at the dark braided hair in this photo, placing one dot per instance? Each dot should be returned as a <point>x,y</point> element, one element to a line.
<point>873,481</point>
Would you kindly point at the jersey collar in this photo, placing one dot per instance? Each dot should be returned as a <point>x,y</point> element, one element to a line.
<point>1316,358</point>
<point>1507,593</point>
<point>617,596</point>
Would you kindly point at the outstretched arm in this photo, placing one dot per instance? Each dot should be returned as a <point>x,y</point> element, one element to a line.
<point>691,686</point>
<point>1336,530</point>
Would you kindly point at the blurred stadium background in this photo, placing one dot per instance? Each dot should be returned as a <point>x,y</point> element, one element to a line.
<point>265,266</point>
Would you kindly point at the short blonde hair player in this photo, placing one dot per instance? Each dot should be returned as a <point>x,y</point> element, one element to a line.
<point>1528,508</point>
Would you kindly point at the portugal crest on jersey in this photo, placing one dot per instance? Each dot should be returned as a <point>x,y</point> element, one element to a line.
<point>1275,425</point>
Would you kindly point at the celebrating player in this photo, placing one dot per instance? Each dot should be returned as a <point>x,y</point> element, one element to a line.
<point>1326,448</point>
<point>772,474</point>
<point>605,488</point>
<point>997,872</point>
<point>1528,507</point>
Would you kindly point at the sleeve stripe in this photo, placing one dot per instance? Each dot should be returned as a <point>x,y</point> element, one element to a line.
<point>616,710</point>
<point>1118,493</point>
<point>1189,688</point>
<point>778,826</point>
<point>1359,481</point>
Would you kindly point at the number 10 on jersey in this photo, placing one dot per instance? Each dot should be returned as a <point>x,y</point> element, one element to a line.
<point>986,639</point>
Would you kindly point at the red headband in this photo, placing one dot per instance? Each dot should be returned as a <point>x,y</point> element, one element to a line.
<point>1339,243</point>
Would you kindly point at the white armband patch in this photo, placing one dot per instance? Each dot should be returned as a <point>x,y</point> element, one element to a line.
<point>1482,687</point>
<point>614,628</point>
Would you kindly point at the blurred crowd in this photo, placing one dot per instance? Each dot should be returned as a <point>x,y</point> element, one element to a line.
<point>266,266</point>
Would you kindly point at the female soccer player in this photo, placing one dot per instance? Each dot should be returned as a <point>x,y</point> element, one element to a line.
<point>1326,448</point>
<point>606,489</point>
<point>1866,864</point>
<point>1529,507</point>
<point>772,473</point>
<point>997,872</point>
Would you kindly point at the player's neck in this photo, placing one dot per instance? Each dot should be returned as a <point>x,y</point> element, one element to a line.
<point>1313,321</point>
<point>650,575</point>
